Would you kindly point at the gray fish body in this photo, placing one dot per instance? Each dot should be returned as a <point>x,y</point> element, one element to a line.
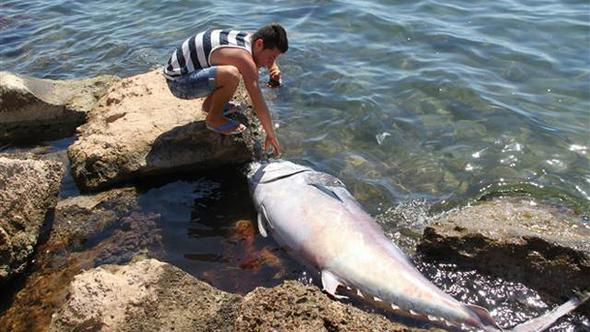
<point>318,221</point>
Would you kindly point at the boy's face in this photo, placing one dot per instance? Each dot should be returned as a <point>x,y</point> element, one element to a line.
<point>264,57</point>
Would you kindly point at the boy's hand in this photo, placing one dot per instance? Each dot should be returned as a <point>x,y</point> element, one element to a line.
<point>274,76</point>
<point>271,140</point>
<point>274,72</point>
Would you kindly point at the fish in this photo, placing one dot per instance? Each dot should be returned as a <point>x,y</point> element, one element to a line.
<point>316,220</point>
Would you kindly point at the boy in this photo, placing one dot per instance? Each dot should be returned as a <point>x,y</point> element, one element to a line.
<point>211,64</point>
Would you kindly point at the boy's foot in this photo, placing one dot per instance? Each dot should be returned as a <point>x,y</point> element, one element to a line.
<point>228,108</point>
<point>231,127</point>
<point>231,107</point>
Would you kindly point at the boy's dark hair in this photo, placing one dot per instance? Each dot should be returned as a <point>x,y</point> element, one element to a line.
<point>274,36</point>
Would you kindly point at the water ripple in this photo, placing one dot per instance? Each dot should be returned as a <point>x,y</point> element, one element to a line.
<point>436,75</point>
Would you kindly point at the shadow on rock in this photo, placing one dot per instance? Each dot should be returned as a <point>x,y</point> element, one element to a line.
<point>193,147</point>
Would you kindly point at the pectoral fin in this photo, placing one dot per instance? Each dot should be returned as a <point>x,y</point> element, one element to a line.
<point>262,221</point>
<point>330,283</point>
<point>326,190</point>
<point>261,226</point>
<point>339,193</point>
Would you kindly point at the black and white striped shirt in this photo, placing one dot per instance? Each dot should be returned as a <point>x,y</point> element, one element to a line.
<point>195,52</point>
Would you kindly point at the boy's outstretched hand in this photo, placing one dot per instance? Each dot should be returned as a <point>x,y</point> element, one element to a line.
<point>272,141</point>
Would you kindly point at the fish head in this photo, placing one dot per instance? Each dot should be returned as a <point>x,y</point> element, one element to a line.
<point>269,171</point>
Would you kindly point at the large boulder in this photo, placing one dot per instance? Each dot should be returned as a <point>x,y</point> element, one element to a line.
<point>146,295</point>
<point>33,109</point>
<point>140,129</point>
<point>293,306</point>
<point>535,244</point>
<point>28,191</point>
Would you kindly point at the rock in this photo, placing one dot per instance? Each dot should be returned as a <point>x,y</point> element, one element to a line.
<point>28,191</point>
<point>140,129</point>
<point>81,217</point>
<point>33,109</point>
<point>293,306</point>
<point>537,245</point>
<point>146,295</point>
<point>90,230</point>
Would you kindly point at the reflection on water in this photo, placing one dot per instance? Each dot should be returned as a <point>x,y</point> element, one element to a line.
<point>208,228</point>
<point>509,303</point>
<point>416,88</point>
<point>205,224</point>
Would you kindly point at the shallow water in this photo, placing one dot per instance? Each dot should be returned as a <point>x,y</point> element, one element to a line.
<point>446,102</point>
<point>414,99</point>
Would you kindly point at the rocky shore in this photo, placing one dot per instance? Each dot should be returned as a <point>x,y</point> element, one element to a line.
<point>536,245</point>
<point>91,261</point>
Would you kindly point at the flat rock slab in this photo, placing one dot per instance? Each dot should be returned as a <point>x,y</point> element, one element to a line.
<point>535,244</point>
<point>146,295</point>
<point>28,191</point>
<point>33,109</point>
<point>149,295</point>
<point>140,129</point>
<point>293,306</point>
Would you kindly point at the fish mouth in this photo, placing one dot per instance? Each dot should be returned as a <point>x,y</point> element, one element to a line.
<point>252,168</point>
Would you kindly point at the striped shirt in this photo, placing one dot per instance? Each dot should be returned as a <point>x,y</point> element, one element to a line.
<point>195,52</point>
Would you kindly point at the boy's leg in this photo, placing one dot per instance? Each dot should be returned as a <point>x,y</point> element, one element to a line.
<point>206,104</point>
<point>218,85</point>
<point>227,79</point>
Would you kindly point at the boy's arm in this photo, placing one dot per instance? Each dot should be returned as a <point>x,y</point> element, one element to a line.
<point>242,60</point>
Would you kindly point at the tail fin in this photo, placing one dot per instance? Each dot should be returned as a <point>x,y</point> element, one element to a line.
<point>545,321</point>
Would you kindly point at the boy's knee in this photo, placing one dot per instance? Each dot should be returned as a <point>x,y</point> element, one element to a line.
<point>230,74</point>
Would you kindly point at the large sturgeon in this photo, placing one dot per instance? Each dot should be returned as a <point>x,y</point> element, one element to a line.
<point>322,225</point>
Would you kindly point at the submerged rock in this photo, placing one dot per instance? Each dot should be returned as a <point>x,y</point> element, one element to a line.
<point>28,192</point>
<point>140,129</point>
<point>33,109</point>
<point>146,295</point>
<point>534,244</point>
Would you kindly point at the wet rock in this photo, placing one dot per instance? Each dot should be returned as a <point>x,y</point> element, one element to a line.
<point>140,129</point>
<point>89,230</point>
<point>146,295</point>
<point>80,218</point>
<point>293,306</point>
<point>28,193</point>
<point>535,244</point>
<point>33,109</point>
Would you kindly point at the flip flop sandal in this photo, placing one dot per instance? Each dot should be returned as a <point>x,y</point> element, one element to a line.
<point>228,128</point>
<point>231,107</point>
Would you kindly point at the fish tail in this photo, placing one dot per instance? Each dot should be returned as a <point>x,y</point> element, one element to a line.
<point>545,321</point>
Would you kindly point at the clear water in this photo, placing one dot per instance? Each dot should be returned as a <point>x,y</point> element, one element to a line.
<point>428,99</point>
<point>443,101</point>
